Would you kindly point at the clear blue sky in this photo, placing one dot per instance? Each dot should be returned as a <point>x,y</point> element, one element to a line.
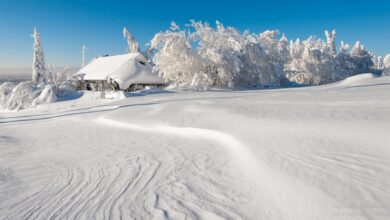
<point>66,25</point>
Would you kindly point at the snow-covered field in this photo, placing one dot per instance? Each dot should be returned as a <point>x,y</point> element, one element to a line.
<point>304,153</point>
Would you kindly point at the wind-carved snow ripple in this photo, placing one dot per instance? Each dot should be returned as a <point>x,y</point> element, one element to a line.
<point>117,181</point>
<point>177,188</point>
<point>95,191</point>
<point>352,174</point>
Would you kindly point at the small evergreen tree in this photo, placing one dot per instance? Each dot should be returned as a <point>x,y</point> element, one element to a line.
<point>38,66</point>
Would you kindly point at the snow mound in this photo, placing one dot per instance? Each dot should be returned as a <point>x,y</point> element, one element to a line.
<point>47,95</point>
<point>356,79</point>
<point>151,90</point>
<point>363,79</point>
<point>113,95</point>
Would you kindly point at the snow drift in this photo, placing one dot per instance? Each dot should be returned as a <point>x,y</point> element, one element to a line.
<point>308,153</point>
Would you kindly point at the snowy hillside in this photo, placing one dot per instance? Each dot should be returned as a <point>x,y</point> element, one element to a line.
<point>305,153</point>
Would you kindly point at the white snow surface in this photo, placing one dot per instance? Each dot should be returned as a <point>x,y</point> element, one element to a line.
<point>303,153</point>
<point>124,69</point>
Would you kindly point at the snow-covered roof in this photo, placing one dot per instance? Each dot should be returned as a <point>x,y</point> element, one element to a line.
<point>126,69</point>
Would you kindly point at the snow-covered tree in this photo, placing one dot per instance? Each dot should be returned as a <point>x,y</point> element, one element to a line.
<point>378,62</point>
<point>38,67</point>
<point>361,59</point>
<point>220,48</point>
<point>283,49</point>
<point>132,43</point>
<point>386,65</point>
<point>331,42</point>
<point>174,26</point>
<point>344,63</point>
<point>305,58</point>
<point>344,48</point>
<point>223,57</point>
<point>263,58</point>
<point>175,60</point>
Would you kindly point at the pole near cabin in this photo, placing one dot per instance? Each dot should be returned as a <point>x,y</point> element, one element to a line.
<point>83,57</point>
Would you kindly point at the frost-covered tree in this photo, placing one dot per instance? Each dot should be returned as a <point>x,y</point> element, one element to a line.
<point>276,52</point>
<point>331,42</point>
<point>283,49</point>
<point>344,48</point>
<point>263,59</point>
<point>315,61</point>
<point>378,62</point>
<point>293,67</point>
<point>305,61</point>
<point>386,65</point>
<point>361,59</point>
<point>223,57</point>
<point>344,63</point>
<point>377,66</point>
<point>175,60</point>
<point>220,48</point>
<point>38,66</point>
<point>131,42</point>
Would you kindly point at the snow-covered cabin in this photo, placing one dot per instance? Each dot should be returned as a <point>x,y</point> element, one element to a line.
<point>128,72</point>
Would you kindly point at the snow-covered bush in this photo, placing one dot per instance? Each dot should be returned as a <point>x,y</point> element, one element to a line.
<point>5,91</point>
<point>61,86</point>
<point>30,94</point>
<point>65,81</point>
<point>386,64</point>
<point>61,75</point>
<point>23,96</point>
